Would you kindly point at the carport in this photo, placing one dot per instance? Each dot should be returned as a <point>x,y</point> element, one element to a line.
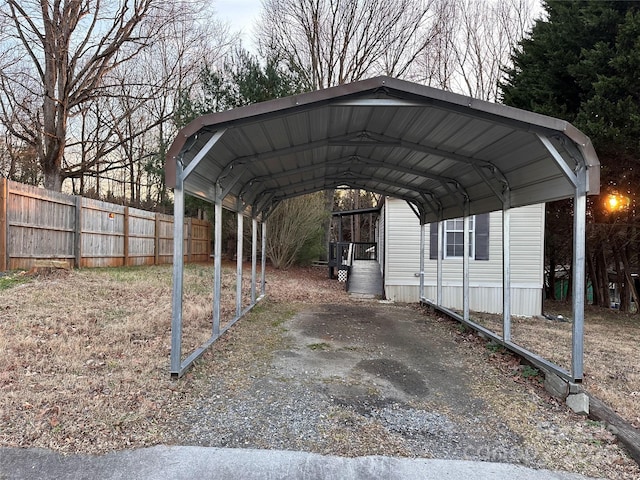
<point>446,155</point>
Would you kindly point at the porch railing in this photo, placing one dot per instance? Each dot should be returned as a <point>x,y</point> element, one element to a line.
<point>365,250</point>
<point>342,254</point>
<point>339,252</point>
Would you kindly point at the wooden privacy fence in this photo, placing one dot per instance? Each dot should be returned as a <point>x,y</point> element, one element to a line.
<point>38,224</point>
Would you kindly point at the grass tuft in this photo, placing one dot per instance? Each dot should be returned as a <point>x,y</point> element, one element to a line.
<point>13,279</point>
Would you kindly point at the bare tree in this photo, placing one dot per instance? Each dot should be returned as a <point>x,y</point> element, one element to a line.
<point>109,118</point>
<point>18,161</point>
<point>474,44</point>
<point>298,220</point>
<point>61,52</point>
<point>331,42</point>
<point>178,59</point>
<point>140,102</point>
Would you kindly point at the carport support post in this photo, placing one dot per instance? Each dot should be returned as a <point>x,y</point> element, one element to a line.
<point>239,251</point>
<point>506,274</point>
<point>465,263</point>
<point>579,229</point>
<point>178,268</point>
<point>263,282</point>
<point>254,258</point>
<point>440,255</point>
<point>422,228</point>
<point>217,263</point>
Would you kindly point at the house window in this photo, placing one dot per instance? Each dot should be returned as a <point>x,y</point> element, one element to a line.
<point>454,237</point>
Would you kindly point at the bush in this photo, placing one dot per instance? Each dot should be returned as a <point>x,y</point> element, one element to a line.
<point>294,230</point>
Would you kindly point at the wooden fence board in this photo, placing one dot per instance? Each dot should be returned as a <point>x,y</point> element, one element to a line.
<point>200,240</point>
<point>4,230</point>
<point>141,237</point>
<point>36,220</point>
<point>165,239</point>
<point>39,224</point>
<point>40,193</point>
<point>102,234</point>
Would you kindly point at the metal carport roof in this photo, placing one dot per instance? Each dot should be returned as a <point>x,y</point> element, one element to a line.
<point>435,149</point>
<point>448,155</point>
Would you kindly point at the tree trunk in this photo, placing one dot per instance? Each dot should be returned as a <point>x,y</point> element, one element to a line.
<point>357,219</point>
<point>551,291</point>
<point>52,176</point>
<point>632,294</point>
<point>52,139</point>
<point>133,198</point>
<point>594,280</point>
<point>570,284</point>
<point>603,275</point>
<point>326,225</point>
<point>622,291</point>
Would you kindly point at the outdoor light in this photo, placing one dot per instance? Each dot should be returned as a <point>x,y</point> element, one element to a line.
<point>615,202</point>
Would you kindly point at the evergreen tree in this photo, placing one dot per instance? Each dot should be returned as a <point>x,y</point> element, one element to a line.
<point>581,64</point>
<point>555,68</point>
<point>244,81</point>
<point>611,113</point>
<point>241,81</point>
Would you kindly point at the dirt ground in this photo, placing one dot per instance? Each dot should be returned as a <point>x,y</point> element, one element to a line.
<point>85,369</point>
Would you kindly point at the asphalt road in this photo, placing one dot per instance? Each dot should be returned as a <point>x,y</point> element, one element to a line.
<point>224,463</point>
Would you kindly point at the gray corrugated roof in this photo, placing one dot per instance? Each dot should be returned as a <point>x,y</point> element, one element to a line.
<point>432,148</point>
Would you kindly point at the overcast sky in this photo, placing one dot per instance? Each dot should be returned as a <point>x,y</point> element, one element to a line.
<point>241,14</point>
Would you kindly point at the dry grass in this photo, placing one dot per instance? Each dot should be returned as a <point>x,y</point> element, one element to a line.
<point>611,351</point>
<point>84,359</point>
<point>84,364</point>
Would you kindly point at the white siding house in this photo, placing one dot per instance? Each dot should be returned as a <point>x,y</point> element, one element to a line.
<point>400,238</point>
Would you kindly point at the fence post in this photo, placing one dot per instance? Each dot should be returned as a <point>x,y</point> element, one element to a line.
<point>77,233</point>
<point>156,240</point>
<point>4,224</point>
<point>189,239</point>
<point>126,236</point>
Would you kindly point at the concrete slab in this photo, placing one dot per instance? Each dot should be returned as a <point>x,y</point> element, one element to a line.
<point>579,403</point>
<point>177,463</point>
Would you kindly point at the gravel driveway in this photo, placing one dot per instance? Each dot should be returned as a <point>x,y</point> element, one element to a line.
<point>356,379</point>
<point>363,378</point>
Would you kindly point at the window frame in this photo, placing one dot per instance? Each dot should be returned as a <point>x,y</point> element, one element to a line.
<point>453,229</point>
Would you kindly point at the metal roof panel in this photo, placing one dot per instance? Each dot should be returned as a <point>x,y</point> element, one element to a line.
<point>434,148</point>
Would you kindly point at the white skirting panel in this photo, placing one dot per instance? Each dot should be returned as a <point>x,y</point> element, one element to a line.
<point>526,302</point>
